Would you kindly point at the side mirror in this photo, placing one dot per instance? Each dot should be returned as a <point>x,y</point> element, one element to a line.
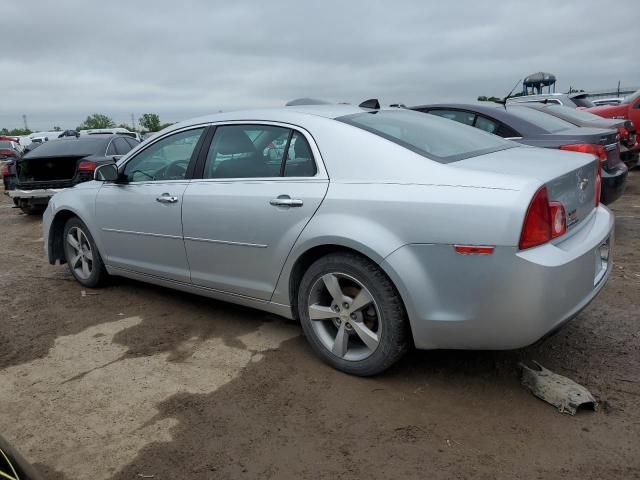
<point>106,173</point>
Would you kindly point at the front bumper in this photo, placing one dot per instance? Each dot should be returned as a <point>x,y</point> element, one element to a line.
<point>38,193</point>
<point>505,300</point>
<point>614,182</point>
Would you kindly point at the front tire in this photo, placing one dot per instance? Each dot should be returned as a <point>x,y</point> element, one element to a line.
<point>82,255</point>
<point>352,315</point>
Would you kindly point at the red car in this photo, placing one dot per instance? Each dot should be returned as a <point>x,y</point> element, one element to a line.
<point>629,109</point>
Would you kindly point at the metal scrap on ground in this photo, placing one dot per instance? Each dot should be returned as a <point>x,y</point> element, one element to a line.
<point>562,392</point>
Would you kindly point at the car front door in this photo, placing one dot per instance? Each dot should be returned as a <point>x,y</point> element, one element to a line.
<point>140,216</point>
<point>259,186</point>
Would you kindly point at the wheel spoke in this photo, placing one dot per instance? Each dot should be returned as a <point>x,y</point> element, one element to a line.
<point>362,300</point>
<point>85,267</point>
<point>75,260</point>
<point>369,338</point>
<point>331,282</point>
<point>341,343</point>
<point>73,242</point>
<point>88,255</point>
<point>318,312</point>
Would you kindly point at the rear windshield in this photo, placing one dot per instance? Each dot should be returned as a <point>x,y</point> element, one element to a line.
<point>6,144</point>
<point>433,137</point>
<point>582,102</point>
<point>540,119</point>
<point>575,113</point>
<point>71,146</point>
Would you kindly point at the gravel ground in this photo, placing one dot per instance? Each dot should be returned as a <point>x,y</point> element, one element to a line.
<point>137,380</point>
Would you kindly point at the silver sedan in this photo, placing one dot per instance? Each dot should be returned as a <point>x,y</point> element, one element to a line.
<point>377,228</point>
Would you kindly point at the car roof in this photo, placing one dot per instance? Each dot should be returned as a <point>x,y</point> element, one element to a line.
<point>299,115</point>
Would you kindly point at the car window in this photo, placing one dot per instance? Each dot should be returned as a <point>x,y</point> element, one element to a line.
<point>246,151</point>
<point>111,149</point>
<point>166,159</point>
<point>543,120</point>
<point>300,162</point>
<point>131,141</point>
<point>122,147</point>
<point>428,135</point>
<point>459,116</point>
<point>485,124</point>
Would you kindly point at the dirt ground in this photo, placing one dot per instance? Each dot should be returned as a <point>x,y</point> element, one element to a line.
<point>136,380</point>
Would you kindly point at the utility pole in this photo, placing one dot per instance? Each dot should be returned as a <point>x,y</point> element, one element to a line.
<point>618,88</point>
<point>24,119</point>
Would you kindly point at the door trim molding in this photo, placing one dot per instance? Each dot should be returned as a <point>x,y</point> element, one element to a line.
<point>227,242</point>
<point>144,234</point>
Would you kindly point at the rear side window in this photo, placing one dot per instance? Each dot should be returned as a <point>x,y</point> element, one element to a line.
<point>428,135</point>
<point>543,120</point>
<point>457,115</point>
<point>299,162</point>
<point>487,125</point>
<point>122,146</point>
<point>258,151</point>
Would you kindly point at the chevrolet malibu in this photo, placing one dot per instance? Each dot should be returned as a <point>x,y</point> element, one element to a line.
<point>377,229</point>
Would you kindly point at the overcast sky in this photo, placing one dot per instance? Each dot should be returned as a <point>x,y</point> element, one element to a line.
<point>61,61</point>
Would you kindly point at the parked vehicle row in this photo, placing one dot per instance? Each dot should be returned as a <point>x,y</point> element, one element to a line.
<point>534,127</point>
<point>32,179</point>
<point>375,228</point>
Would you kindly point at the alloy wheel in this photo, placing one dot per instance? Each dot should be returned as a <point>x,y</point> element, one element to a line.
<point>344,316</point>
<point>79,253</point>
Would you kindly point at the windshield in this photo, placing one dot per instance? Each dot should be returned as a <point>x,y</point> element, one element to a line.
<point>431,136</point>
<point>4,144</point>
<point>542,120</point>
<point>632,97</point>
<point>575,114</point>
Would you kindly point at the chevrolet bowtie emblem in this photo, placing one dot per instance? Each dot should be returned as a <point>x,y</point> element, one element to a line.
<point>582,184</point>
<point>7,472</point>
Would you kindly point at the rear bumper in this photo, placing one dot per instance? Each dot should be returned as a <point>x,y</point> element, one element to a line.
<point>505,300</point>
<point>37,193</point>
<point>614,182</point>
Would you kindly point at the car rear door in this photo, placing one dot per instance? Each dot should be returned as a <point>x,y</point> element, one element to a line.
<point>260,185</point>
<point>140,218</point>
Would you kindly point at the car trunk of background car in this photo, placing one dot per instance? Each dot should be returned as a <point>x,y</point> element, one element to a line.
<point>573,182</point>
<point>49,172</point>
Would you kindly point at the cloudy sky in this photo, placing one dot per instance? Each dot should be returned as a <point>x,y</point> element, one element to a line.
<point>61,61</point>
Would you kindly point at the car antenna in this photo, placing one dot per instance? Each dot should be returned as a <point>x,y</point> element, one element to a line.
<point>503,102</point>
<point>372,103</point>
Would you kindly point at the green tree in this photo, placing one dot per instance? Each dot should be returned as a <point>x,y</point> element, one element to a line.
<point>150,122</point>
<point>15,132</point>
<point>57,129</point>
<point>97,120</point>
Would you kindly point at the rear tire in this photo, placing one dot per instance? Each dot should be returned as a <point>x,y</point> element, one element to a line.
<point>81,254</point>
<point>360,325</point>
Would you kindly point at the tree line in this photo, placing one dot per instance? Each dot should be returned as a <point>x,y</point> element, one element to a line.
<point>149,122</point>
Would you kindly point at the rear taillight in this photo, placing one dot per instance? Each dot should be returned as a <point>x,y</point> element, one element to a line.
<point>597,150</point>
<point>7,152</point>
<point>624,134</point>
<point>87,166</point>
<point>598,185</point>
<point>543,222</point>
<point>5,170</point>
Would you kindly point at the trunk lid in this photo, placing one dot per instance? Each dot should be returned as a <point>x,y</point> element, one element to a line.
<point>570,177</point>
<point>47,169</point>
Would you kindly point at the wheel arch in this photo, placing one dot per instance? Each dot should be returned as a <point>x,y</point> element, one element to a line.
<point>311,254</point>
<point>55,246</point>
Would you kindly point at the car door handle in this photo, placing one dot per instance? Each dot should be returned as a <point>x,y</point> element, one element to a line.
<point>286,201</point>
<point>167,198</point>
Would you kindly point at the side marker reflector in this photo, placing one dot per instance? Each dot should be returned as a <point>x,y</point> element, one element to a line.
<point>473,249</point>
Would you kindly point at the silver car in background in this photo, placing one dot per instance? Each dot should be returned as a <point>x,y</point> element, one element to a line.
<point>377,229</point>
